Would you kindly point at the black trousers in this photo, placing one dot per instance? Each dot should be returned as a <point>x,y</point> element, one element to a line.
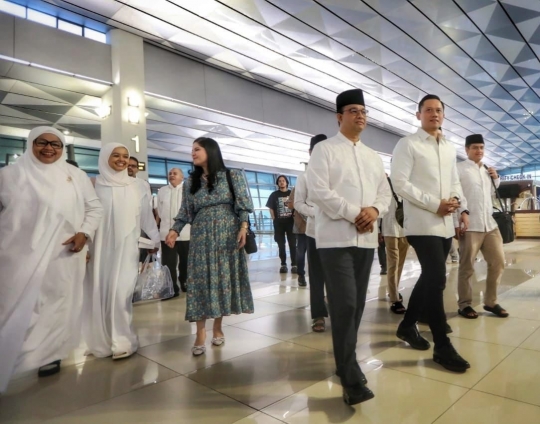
<point>282,229</point>
<point>301,248</point>
<point>178,268</point>
<point>381,253</point>
<point>347,277</point>
<point>316,280</point>
<point>427,296</point>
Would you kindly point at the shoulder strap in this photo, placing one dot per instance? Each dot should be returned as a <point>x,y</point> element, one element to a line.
<point>393,192</point>
<point>503,208</point>
<point>231,187</point>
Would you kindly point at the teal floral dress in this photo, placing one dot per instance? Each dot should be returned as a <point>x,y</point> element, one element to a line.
<point>218,279</point>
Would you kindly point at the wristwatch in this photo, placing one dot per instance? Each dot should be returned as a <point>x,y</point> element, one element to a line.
<point>466,211</point>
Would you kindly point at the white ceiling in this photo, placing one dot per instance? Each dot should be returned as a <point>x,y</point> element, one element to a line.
<point>479,56</point>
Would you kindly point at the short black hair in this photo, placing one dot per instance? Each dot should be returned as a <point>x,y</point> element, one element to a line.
<point>282,176</point>
<point>429,97</point>
<point>135,159</point>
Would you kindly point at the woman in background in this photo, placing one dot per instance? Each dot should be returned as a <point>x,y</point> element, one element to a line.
<point>113,267</point>
<point>216,204</point>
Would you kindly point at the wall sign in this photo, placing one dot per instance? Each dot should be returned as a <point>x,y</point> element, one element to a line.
<point>142,166</point>
<point>516,177</point>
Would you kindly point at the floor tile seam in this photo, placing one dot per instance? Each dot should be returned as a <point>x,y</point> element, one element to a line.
<point>450,407</point>
<point>426,377</point>
<point>505,397</point>
<point>239,356</point>
<point>261,334</point>
<point>494,368</point>
<point>161,365</point>
<point>283,304</point>
<point>484,341</point>
<point>165,341</point>
<point>114,397</point>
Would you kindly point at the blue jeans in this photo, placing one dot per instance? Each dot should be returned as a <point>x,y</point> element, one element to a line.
<point>301,247</point>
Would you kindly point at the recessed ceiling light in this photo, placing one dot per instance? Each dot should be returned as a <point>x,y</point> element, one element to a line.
<point>66,132</point>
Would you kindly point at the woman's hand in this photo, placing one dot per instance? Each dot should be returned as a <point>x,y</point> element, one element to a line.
<point>170,240</point>
<point>241,239</point>
<point>78,241</point>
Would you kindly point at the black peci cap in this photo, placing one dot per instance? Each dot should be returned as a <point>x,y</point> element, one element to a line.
<point>350,97</point>
<point>474,139</point>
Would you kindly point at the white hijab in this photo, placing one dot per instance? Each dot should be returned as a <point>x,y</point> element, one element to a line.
<point>119,194</point>
<point>45,181</point>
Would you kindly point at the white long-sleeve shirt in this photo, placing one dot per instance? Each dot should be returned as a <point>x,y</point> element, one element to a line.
<point>342,178</point>
<point>423,173</point>
<point>478,191</point>
<point>167,214</point>
<point>304,205</point>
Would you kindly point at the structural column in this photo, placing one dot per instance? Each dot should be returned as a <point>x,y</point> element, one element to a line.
<point>126,123</point>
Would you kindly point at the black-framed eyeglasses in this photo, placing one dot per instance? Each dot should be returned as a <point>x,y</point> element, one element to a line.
<point>56,145</point>
<point>356,112</point>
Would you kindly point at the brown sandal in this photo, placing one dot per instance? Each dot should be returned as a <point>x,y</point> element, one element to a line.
<point>318,325</point>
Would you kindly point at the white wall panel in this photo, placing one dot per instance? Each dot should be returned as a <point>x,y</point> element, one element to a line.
<point>58,49</point>
<point>173,75</point>
<point>285,111</point>
<point>7,23</point>
<point>233,94</point>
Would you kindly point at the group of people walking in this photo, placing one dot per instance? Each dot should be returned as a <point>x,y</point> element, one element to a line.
<point>50,214</point>
<point>53,217</point>
<point>428,201</point>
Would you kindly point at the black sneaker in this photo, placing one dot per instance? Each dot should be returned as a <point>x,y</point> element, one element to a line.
<point>302,281</point>
<point>283,269</point>
<point>357,394</point>
<point>412,336</point>
<point>447,356</point>
<point>294,269</point>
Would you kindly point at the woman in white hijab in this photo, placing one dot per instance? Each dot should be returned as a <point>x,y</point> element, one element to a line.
<point>113,267</point>
<point>48,211</point>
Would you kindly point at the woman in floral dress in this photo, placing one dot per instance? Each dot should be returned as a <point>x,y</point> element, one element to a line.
<point>218,280</point>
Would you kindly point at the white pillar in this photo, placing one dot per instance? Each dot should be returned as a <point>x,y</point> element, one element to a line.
<point>128,79</point>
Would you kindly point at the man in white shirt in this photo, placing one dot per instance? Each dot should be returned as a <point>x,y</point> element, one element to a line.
<point>481,233</point>
<point>347,183</point>
<point>396,251</point>
<point>169,200</point>
<point>304,206</point>
<point>424,173</point>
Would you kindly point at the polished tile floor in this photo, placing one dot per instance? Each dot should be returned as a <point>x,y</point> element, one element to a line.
<point>273,369</point>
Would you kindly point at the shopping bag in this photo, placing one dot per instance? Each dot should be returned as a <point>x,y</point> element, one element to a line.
<point>154,282</point>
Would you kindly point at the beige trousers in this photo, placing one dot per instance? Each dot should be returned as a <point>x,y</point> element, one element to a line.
<point>396,252</point>
<point>491,246</point>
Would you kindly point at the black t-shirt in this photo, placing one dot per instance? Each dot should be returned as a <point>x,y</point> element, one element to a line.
<point>276,202</point>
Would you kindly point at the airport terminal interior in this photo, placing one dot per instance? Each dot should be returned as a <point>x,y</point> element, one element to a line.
<point>261,78</point>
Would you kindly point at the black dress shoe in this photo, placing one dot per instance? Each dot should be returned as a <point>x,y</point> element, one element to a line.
<point>183,288</point>
<point>357,394</point>
<point>302,281</point>
<point>49,369</point>
<point>412,336</point>
<point>447,356</point>
<point>363,378</point>
<point>384,271</point>
<point>283,269</point>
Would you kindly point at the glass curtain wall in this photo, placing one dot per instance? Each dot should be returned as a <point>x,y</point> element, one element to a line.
<point>260,184</point>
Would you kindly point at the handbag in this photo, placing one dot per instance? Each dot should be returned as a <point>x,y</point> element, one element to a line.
<point>503,218</point>
<point>251,243</point>
<point>299,220</point>
<point>154,282</point>
<point>399,214</point>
